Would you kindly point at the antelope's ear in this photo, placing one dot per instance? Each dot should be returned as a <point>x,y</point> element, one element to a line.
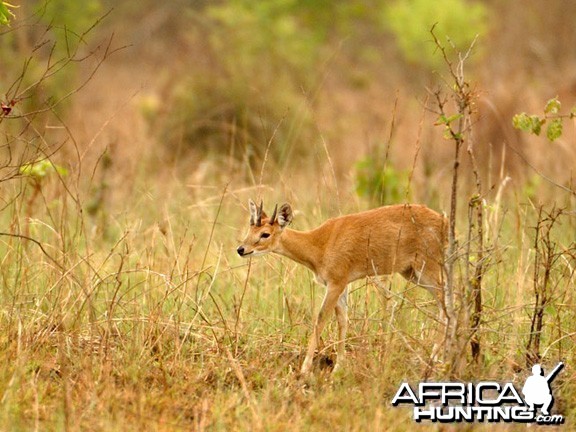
<point>253,212</point>
<point>284,215</point>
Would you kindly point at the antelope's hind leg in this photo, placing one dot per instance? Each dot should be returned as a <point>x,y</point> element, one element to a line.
<point>341,310</point>
<point>333,294</point>
<point>431,278</point>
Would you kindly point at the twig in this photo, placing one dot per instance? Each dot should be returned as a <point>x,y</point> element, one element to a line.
<point>37,243</point>
<point>548,179</point>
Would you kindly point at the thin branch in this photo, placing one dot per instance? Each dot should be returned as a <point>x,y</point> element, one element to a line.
<point>37,243</point>
<point>548,179</point>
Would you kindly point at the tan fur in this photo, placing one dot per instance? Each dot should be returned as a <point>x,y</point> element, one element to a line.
<point>408,239</point>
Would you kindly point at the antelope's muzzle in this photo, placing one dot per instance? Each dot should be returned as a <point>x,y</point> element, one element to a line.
<point>241,251</point>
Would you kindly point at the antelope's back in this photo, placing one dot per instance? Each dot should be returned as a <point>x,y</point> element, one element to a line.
<point>389,239</point>
<point>422,235</point>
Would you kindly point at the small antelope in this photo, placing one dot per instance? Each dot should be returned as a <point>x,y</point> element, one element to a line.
<point>407,239</point>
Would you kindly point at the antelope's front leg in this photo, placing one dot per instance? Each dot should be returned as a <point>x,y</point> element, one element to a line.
<point>333,293</point>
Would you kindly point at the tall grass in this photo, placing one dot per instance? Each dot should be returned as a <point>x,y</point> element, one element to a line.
<point>159,325</point>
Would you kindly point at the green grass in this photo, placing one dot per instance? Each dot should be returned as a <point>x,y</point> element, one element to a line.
<point>144,318</point>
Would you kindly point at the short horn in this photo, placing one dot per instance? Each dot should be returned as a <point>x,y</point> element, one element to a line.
<point>259,214</point>
<point>273,218</point>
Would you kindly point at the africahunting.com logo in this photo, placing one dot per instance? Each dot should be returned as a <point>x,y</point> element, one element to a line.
<point>485,401</point>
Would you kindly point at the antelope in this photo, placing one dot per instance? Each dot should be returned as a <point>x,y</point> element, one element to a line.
<point>408,239</point>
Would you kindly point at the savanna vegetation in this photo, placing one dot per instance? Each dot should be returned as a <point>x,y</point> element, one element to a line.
<point>132,135</point>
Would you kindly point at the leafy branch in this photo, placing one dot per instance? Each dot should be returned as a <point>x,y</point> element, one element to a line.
<point>457,129</point>
<point>551,116</point>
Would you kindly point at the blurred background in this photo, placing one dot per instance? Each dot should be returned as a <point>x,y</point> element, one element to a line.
<point>206,91</point>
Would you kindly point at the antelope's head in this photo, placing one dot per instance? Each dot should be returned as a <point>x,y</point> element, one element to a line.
<point>264,232</point>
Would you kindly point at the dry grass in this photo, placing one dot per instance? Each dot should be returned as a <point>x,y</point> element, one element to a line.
<point>158,325</point>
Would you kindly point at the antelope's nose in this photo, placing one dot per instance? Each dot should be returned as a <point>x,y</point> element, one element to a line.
<point>240,250</point>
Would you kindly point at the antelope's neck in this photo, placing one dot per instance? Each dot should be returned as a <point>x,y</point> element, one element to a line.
<point>301,246</point>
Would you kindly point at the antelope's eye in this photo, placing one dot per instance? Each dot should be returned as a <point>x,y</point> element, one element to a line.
<point>264,235</point>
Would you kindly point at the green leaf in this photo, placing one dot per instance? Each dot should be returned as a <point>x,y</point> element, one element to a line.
<point>527,123</point>
<point>5,13</point>
<point>41,169</point>
<point>447,120</point>
<point>454,118</point>
<point>554,130</point>
<point>63,172</point>
<point>537,123</point>
<point>552,106</point>
<point>522,121</point>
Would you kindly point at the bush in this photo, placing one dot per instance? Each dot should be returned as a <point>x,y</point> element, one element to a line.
<point>261,60</point>
<point>380,183</point>
<point>411,20</point>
